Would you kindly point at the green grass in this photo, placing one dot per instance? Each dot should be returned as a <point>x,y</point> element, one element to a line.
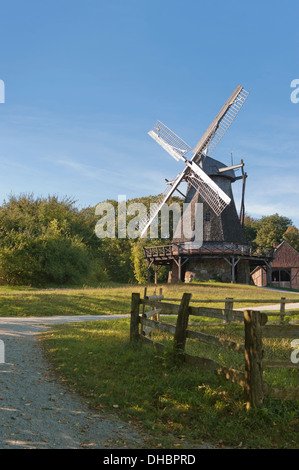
<point>113,299</point>
<point>273,349</point>
<point>178,406</point>
<point>70,301</point>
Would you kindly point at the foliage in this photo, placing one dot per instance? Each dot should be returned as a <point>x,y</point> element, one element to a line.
<point>250,228</point>
<point>44,241</point>
<point>291,236</point>
<point>115,254</point>
<point>49,257</point>
<point>270,230</point>
<point>123,258</point>
<point>49,241</point>
<point>139,262</point>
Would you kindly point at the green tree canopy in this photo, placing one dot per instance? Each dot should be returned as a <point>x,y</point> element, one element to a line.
<point>270,230</point>
<point>49,241</point>
<point>45,241</point>
<point>250,228</point>
<point>291,236</point>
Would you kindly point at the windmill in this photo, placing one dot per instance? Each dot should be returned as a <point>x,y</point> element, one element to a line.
<point>208,180</point>
<point>193,174</point>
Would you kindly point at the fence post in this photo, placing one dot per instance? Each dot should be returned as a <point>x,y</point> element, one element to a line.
<point>254,393</point>
<point>157,315</point>
<point>134,325</point>
<point>181,326</point>
<point>282,310</point>
<point>229,305</point>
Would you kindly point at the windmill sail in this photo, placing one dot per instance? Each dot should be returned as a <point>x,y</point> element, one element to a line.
<point>176,147</point>
<point>221,123</point>
<point>217,199</point>
<point>146,222</point>
<point>207,188</point>
<point>172,143</point>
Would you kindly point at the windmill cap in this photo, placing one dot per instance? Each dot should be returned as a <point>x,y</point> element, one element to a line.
<point>211,167</point>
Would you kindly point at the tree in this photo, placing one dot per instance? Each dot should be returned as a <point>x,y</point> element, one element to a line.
<point>139,261</point>
<point>46,241</point>
<point>123,258</point>
<point>250,228</point>
<point>115,254</point>
<point>270,230</point>
<point>291,236</point>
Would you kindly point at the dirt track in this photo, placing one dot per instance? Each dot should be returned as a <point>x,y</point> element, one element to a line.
<point>36,412</point>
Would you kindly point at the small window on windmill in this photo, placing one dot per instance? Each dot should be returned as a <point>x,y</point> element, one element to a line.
<point>208,217</point>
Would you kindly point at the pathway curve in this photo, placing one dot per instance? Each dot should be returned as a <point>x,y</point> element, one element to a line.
<point>271,308</point>
<point>36,412</point>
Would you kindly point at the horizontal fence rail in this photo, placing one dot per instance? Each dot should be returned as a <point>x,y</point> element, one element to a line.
<point>145,318</point>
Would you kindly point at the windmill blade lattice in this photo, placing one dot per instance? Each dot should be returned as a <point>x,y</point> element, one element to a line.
<point>227,120</point>
<point>216,198</point>
<point>221,123</point>
<point>162,199</point>
<point>171,142</point>
<point>216,203</point>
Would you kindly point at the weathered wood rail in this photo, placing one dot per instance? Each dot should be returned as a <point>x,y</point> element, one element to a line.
<point>177,249</point>
<point>255,329</point>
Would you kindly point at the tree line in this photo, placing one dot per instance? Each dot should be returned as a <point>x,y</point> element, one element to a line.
<point>268,231</point>
<point>49,241</point>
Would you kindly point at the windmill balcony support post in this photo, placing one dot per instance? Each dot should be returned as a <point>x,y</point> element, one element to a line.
<point>233,263</point>
<point>178,263</point>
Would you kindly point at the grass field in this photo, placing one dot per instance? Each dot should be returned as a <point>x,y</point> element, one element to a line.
<point>179,407</point>
<point>114,299</point>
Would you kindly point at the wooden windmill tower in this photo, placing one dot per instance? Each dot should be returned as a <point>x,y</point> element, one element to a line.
<point>224,253</point>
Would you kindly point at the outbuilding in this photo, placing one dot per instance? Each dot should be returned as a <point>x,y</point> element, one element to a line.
<point>284,269</point>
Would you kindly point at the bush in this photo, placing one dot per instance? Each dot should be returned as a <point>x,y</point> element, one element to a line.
<point>45,241</point>
<point>49,258</point>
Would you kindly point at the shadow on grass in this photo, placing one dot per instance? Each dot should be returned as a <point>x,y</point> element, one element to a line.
<point>176,404</point>
<point>61,304</point>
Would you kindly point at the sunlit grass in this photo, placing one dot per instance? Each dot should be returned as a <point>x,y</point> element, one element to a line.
<point>177,406</point>
<point>115,299</point>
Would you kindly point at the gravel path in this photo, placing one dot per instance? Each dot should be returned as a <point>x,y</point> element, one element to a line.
<point>37,412</point>
<point>271,308</point>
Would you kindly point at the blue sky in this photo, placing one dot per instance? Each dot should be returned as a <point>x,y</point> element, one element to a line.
<point>86,80</point>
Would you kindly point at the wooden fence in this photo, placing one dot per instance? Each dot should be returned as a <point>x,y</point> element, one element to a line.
<point>145,317</point>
